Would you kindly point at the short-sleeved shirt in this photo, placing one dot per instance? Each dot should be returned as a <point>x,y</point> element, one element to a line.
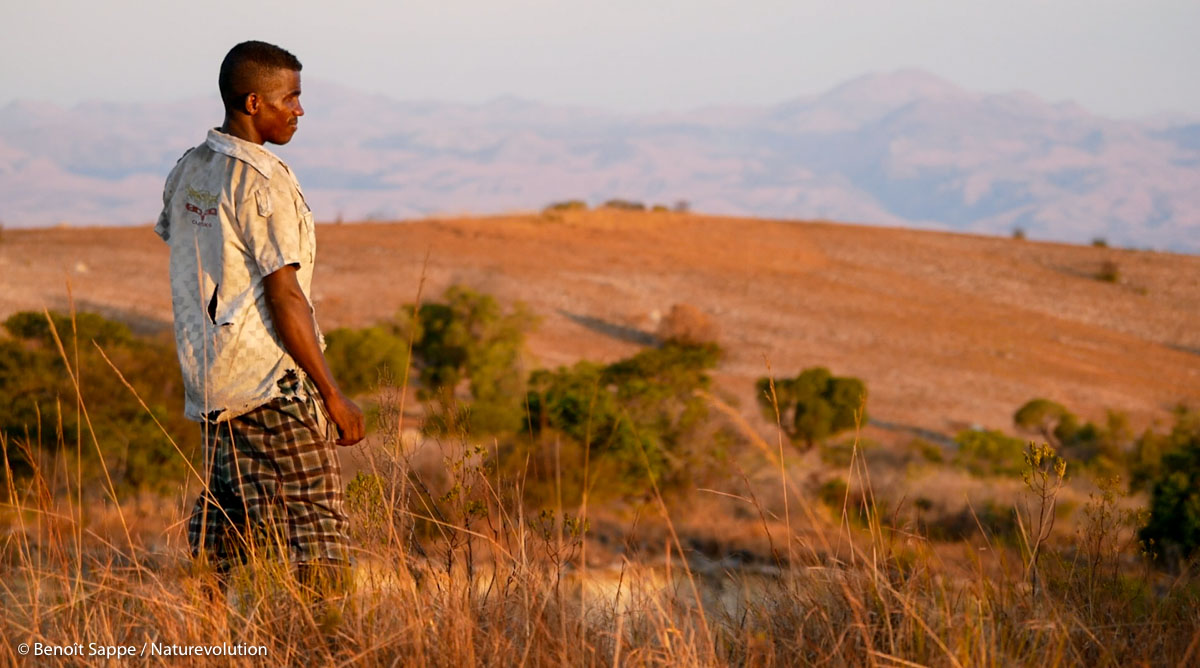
<point>233,213</point>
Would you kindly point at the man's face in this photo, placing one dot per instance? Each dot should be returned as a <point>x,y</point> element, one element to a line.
<point>278,110</point>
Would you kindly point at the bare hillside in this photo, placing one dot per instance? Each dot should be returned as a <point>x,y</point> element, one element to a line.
<point>947,330</point>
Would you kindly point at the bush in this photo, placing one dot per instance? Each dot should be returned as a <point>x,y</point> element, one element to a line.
<point>358,358</point>
<point>88,327</point>
<point>1046,418</point>
<point>926,451</point>
<point>624,205</point>
<point>469,339</point>
<point>1098,448</point>
<point>1174,524</point>
<point>566,205</point>
<point>628,419</point>
<point>687,325</point>
<point>814,405</point>
<point>989,452</point>
<point>38,405</point>
<point>1146,458</point>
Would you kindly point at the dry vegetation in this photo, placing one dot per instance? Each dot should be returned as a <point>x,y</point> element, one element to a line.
<point>442,581</point>
<point>780,557</point>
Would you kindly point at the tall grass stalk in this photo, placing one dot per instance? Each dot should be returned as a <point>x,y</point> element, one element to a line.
<point>452,569</point>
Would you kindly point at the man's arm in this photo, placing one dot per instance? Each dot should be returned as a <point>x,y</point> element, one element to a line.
<point>293,321</point>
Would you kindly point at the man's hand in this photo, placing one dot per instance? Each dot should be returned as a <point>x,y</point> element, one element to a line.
<point>292,317</point>
<point>348,417</point>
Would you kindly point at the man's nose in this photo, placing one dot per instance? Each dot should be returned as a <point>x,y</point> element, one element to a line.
<point>299,109</point>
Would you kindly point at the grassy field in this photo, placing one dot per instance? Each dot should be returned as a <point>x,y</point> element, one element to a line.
<point>874,547</point>
<point>476,578</point>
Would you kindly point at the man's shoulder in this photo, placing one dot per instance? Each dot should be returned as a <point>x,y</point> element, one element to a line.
<point>256,157</point>
<point>212,169</point>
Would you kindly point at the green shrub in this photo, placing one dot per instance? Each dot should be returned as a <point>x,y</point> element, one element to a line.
<point>814,405</point>
<point>926,451</point>
<point>989,452</point>
<point>88,327</point>
<point>1174,523</point>
<point>1096,448</point>
<point>627,419</point>
<point>38,404</point>
<point>1146,458</point>
<point>1045,417</point>
<point>468,338</point>
<point>358,358</point>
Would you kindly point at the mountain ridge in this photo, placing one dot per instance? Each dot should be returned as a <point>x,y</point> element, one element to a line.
<point>899,148</point>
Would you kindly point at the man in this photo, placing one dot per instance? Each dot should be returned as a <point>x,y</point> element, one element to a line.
<point>242,246</point>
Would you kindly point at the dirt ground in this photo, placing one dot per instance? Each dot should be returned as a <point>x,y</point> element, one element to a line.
<point>947,330</point>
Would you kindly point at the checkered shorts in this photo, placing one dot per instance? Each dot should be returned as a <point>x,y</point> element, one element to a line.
<point>275,481</point>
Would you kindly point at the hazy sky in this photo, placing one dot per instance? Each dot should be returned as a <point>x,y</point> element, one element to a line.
<point>1116,57</point>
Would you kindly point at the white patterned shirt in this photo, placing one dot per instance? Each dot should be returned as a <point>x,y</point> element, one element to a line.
<point>233,213</point>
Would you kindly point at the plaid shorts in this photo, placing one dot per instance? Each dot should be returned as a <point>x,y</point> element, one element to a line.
<point>274,480</point>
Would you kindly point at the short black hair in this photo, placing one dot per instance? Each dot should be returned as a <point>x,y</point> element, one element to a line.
<point>245,63</point>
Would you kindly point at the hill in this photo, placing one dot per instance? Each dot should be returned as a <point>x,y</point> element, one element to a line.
<point>902,148</point>
<point>948,330</point>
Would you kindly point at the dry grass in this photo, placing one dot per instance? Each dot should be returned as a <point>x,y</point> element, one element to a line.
<point>456,571</point>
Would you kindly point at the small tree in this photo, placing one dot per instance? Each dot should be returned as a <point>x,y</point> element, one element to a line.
<point>634,417</point>
<point>814,405</point>
<point>1095,446</point>
<point>1045,417</point>
<point>1174,522</point>
<point>470,338</point>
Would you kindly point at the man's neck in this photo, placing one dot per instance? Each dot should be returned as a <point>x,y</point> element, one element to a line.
<point>240,127</point>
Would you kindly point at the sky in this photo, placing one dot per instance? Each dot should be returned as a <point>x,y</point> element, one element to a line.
<point>1119,58</point>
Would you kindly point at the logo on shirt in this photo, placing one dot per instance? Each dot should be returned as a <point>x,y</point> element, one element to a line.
<point>203,204</point>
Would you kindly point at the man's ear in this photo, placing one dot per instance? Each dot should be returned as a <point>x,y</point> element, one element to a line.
<point>251,103</point>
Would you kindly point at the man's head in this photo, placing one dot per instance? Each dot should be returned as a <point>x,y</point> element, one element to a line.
<point>260,86</point>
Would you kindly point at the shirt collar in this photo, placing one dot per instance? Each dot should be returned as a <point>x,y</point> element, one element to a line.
<point>255,155</point>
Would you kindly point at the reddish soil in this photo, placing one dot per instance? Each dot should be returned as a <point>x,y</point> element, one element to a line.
<point>947,330</point>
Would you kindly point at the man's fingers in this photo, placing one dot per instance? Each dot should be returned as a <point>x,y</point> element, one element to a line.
<point>356,430</point>
<point>350,421</point>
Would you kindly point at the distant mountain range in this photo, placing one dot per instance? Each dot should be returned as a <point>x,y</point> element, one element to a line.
<point>904,148</point>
